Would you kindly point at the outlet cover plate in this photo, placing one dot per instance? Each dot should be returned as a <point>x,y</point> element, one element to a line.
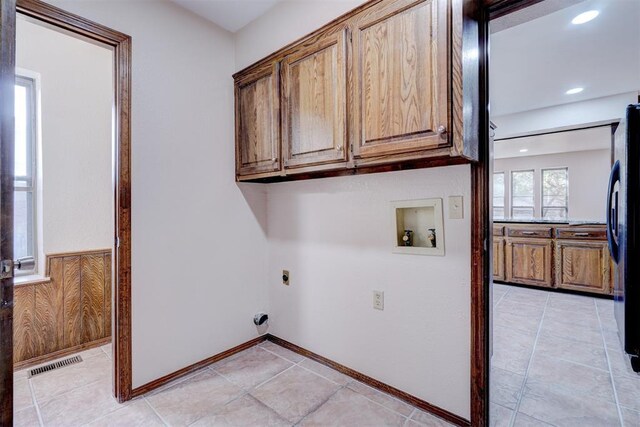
<point>378,300</point>
<point>455,207</point>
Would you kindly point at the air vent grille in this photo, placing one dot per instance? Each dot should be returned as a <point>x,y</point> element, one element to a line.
<point>55,365</point>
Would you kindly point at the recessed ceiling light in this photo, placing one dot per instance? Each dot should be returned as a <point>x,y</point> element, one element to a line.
<point>585,17</point>
<point>574,90</point>
<point>524,150</point>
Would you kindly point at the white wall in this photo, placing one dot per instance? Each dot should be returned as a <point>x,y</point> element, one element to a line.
<point>334,235</point>
<point>284,23</point>
<point>199,243</point>
<point>75,183</point>
<point>607,109</point>
<point>588,179</point>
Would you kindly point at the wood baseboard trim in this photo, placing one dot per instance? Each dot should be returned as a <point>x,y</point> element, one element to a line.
<point>60,353</point>
<point>150,386</point>
<point>372,382</point>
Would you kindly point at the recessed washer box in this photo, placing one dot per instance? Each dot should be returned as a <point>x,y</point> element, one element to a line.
<point>418,227</point>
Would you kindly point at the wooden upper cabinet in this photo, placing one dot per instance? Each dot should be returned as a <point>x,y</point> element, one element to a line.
<point>373,90</point>
<point>400,78</point>
<point>258,121</point>
<point>314,110</point>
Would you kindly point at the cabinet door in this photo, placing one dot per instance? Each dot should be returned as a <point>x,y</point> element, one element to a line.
<point>400,78</point>
<point>583,266</point>
<point>529,261</point>
<point>314,109</point>
<point>258,122</point>
<point>498,259</point>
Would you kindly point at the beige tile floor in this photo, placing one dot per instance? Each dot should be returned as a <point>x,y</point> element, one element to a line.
<point>557,361</point>
<point>266,385</point>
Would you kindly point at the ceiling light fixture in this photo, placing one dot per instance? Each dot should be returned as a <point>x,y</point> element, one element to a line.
<point>524,150</point>
<point>585,17</point>
<point>574,90</point>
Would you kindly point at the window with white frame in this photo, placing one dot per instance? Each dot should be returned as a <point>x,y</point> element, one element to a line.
<point>498,195</point>
<point>555,193</point>
<point>522,194</point>
<point>24,229</point>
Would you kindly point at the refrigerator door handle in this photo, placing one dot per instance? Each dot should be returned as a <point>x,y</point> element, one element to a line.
<point>612,213</point>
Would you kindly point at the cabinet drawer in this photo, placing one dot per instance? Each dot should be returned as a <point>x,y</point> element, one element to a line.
<point>581,233</point>
<point>539,232</point>
<point>498,230</point>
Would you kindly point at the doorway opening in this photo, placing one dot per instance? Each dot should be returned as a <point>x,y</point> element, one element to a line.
<point>63,218</point>
<point>560,77</point>
<point>105,269</point>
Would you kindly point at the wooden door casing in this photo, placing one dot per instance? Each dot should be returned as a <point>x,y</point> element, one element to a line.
<point>529,261</point>
<point>7,142</point>
<point>583,266</point>
<point>314,103</point>
<point>498,259</point>
<point>258,121</point>
<point>400,78</point>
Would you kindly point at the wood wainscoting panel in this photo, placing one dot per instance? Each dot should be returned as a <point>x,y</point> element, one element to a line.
<point>92,302</point>
<point>23,322</point>
<point>49,320</point>
<point>72,301</point>
<point>107,295</point>
<point>70,309</point>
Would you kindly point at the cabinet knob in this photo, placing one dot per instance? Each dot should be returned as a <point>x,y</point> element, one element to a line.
<point>339,148</point>
<point>275,159</point>
<point>442,129</point>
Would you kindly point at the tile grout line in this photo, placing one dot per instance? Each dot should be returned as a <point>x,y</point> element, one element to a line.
<point>35,402</point>
<point>410,417</point>
<point>606,353</point>
<point>526,374</point>
<point>341,386</point>
<point>155,411</point>
<point>319,406</point>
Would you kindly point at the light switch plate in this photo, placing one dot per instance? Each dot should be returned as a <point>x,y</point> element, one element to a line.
<point>455,207</point>
<point>378,300</point>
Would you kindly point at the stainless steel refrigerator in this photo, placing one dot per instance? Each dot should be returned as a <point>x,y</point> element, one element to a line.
<point>623,231</point>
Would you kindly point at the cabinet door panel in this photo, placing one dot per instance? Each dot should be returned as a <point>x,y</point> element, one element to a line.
<point>583,266</point>
<point>400,78</point>
<point>529,262</point>
<point>314,112</point>
<point>498,259</point>
<point>257,123</point>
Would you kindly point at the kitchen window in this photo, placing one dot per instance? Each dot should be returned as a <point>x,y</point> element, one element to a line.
<point>498,195</point>
<point>555,193</point>
<point>24,211</point>
<point>522,194</point>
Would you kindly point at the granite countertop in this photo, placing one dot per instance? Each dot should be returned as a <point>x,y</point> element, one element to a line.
<point>548,221</point>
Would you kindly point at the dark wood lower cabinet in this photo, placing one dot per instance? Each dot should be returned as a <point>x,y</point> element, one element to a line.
<point>583,266</point>
<point>553,256</point>
<point>529,261</point>
<point>70,308</point>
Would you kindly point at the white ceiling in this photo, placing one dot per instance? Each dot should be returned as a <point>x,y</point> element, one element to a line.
<point>598,138</point>
<point>231,15</point>
<point>535,63</point>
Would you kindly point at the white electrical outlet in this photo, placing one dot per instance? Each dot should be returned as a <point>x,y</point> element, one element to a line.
<point>378,300</point>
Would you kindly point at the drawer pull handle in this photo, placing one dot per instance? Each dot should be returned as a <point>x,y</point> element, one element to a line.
<point>582,234</point>
<point>529,233</point>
